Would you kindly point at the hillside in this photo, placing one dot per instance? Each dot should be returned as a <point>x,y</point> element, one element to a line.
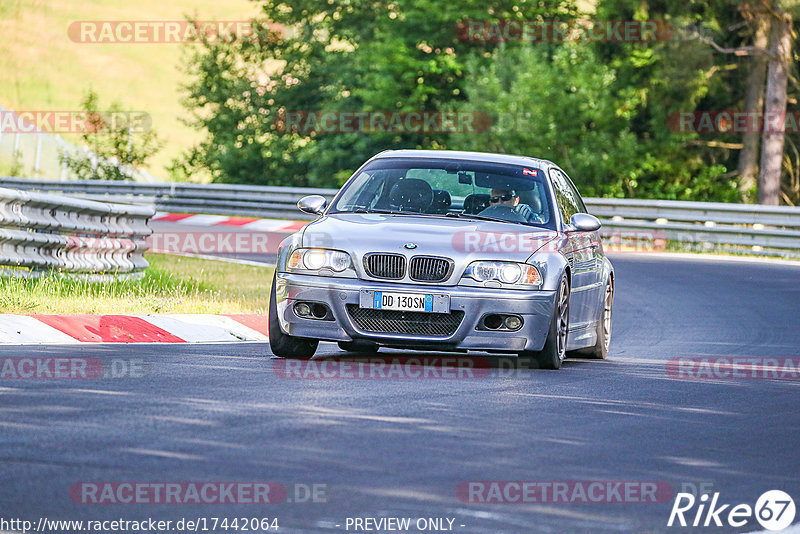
<point>43,69</point>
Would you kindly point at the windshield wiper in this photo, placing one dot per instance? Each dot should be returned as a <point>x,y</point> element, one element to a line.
<point>371,210</point>
<point>493,219</point>
<point>475,216</point>
<point>387,212</point>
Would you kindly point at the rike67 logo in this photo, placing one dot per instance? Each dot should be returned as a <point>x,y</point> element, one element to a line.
<point>774,510</point>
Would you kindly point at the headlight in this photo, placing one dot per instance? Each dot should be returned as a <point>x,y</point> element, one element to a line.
<point>504,272</point>
<point>314,259</point>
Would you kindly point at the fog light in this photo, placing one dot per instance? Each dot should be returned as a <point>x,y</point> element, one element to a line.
<point>512,322</point>
<point>493,322</point>
<point>302,309</point>
<point>319,311</point>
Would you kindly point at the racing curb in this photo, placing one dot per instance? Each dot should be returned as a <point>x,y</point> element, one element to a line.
<point>261,225</point>
<point>172,328</point>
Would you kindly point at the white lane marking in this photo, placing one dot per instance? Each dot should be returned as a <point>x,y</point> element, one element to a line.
<point>267,225</point>
<point>703,257</point>
<point>223,258</point>
<point>204,220</point>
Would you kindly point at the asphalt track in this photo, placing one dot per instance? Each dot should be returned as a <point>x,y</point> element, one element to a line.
<point>401,447</point>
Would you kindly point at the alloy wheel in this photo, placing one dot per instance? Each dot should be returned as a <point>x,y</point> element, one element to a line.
<point>562,318</point>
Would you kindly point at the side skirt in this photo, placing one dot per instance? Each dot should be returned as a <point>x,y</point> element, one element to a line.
<point>585,335</point>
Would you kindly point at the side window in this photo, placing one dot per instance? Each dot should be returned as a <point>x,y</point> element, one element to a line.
<point>568,200</point>
<point>578,198</point>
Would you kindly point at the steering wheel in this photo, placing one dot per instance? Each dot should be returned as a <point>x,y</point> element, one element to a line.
<point>504,212</point>
<point>518,213</point>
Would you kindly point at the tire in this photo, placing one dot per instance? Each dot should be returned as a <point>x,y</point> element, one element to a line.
<point>356,346</point>
<point>554,350</point>
<point>284,345</point>
<point>603,329</point>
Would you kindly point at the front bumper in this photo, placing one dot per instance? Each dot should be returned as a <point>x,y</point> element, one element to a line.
<point>535,308</point>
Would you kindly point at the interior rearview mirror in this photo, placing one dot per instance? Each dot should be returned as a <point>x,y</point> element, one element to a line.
<point>583,222</point>
<point>313,204</point>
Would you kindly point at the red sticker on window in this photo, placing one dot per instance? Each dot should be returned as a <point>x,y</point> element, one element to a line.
<point>531,172</point>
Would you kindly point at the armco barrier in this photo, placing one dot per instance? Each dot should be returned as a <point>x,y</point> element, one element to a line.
<point>224,199</point>
<point>706,226</point>
<point>45,232</point>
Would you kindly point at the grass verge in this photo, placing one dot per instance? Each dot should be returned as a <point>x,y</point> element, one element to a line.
<point>42,68</point>
<point>172,284</point>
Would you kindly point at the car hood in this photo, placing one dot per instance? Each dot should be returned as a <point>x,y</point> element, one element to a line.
<point>462,240</point>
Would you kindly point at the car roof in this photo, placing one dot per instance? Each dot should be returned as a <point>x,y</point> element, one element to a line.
<point>463,155</point>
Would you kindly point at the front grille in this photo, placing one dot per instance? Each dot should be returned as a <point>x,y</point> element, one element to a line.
<point>429,269</point>
<point>406,322</point>
<point>386,266</point>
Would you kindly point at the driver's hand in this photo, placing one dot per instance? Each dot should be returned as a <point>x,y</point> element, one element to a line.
<point>525,211</point>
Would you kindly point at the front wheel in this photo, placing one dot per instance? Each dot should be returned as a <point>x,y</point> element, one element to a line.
<point>554,350</point>
<point>284,345</point>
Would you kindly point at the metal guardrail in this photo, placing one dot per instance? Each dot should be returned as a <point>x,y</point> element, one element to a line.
<point>706,226</point>
<point>702,226</point>
<point>40,233</point>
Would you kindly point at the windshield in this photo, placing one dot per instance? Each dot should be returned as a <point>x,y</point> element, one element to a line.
<point>446,187</point>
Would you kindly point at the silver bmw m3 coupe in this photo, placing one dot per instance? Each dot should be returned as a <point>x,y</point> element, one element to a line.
<point>441,250</point>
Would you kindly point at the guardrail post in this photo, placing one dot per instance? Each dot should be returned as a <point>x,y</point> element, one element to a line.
<point>38,157</point>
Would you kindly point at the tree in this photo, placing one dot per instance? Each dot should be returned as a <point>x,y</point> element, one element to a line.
<point>357,55</point>
<point>116,143</point>
<point>555,104</point>
<point>735,30</point>
<point>754,102</point>
<point>780,47</point>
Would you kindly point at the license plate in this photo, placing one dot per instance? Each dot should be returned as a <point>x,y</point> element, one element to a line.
<point>420,302</point>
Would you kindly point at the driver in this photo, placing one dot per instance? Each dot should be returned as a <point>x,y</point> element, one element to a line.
<point>504,200</point>
<point>508,197</point>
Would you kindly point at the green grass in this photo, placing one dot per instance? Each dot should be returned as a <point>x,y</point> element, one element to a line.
<point>42,69</point>
<point>172,284</point>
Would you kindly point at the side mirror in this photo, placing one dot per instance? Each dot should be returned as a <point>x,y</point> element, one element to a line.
<point>313,204</point>
<point>583,222</point>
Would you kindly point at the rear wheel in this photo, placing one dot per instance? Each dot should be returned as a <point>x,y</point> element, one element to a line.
<point>603,343</point>
<point>554,350</point>
<point>284,345</point>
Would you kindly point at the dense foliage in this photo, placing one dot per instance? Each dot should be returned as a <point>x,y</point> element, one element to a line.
<point>599,109</point>
<point>116,142</point>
